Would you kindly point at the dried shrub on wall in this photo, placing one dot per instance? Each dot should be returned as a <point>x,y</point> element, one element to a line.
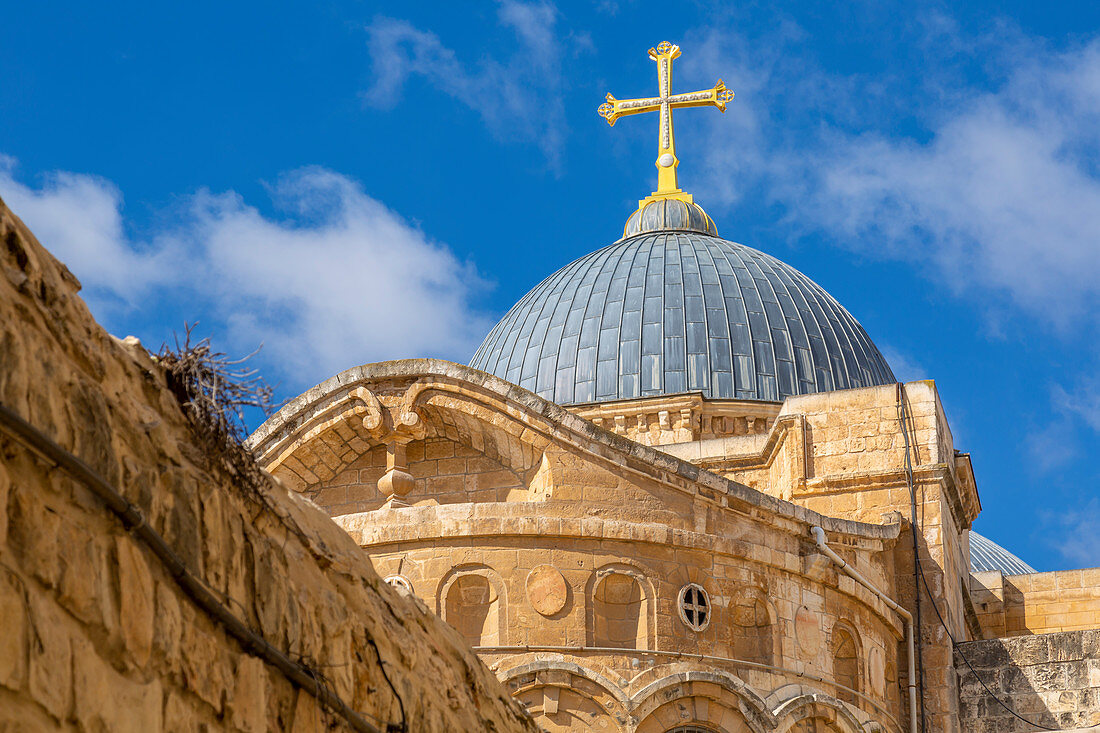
<point>214,392</point>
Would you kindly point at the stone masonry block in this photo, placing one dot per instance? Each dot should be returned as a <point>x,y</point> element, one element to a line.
<point>136,600</point>
<point>203,668</point>
<point>1029,650</point>
<point>439,449</point>
<point>108,701</point>
<point>33,531</point>
<point>84,590</point>
<point>50,659</point>
<point>248,704</point>
<point>13,638</point>
<point>5,487</point>
<point>166,634</point>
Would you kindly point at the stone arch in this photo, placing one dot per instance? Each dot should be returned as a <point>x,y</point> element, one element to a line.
<point>846,654</point>
<point>710,698</point>
<point>695,713</point>
<point>816,713</point>
<point>620,608</point>
<point>472,599</point>
<point>566,696</point>
<point>754,634</point>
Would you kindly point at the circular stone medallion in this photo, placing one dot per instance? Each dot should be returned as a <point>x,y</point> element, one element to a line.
<point>546,589</point>
<point>666,160</point>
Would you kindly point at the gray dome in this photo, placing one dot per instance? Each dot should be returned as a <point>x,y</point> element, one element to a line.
<point>669,214</point>
<point>985,555</point>
<point>668,312</point>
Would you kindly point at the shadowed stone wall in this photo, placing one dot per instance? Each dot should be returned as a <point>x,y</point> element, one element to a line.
<point>95,634</point>
<point>1050,679</point>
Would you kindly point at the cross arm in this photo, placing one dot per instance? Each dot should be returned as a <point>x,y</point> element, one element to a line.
<point>718,97</point>
<point>613,109</point>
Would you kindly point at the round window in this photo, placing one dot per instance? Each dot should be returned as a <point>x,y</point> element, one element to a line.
<point>694,607</point>
<point>400,582</point>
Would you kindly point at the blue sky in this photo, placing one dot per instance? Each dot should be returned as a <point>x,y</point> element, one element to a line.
<point>348,182</point>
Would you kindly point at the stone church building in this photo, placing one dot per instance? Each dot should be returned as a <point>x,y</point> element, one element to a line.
<point>679,490</point>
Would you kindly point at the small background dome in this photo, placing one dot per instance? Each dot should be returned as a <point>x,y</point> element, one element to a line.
<point>667,312</point>
<point>985,555</point>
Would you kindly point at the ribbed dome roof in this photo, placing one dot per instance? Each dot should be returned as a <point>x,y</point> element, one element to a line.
<point>679,311</point>
<point>985,555</point>
<point>669,215</point>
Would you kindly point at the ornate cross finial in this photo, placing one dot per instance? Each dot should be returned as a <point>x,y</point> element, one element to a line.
<point>667,161</point>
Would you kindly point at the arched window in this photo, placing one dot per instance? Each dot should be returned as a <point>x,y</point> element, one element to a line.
<point>845,653</point>
<point>399,581</point>
<point>473,609</point>
<point>690,729</point>
<point>618,613</point>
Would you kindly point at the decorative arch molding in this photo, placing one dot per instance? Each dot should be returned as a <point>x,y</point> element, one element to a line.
<point>508,676</point>
<point>448,582</point>
<point>772,714</point>
<point>406,392</point>
<point>744,600</point>
<point>819,705</point>
<point>596,688</point>
<point>648,611</point>
<point>843,627</point>
<point>646,701</point>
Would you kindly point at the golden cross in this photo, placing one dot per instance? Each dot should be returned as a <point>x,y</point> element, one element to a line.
<point>667,161</point>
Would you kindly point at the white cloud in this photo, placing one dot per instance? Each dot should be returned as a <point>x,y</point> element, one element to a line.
<point>520,97</point>
<point>1083,401</point>
<point>1004,197</point>
<point>1074,534</point>
<point>1051,446</point>
<point>734,142</point>
<point>80,218</point>
<point>340,280</point>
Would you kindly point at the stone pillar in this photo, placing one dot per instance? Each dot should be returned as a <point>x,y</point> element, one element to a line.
<point>396,483</point>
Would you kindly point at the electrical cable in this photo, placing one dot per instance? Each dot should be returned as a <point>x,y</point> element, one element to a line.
<point>132,520</point>
<point>924,581</point>
<point>403,726</point>
<point>903,421</point>
<point>957,650</point>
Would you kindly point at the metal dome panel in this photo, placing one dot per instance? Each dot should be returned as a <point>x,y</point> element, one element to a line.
<point>985,555</point>
<point>670,312</point>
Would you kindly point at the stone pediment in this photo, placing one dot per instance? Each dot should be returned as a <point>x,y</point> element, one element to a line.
<point>429,432</point>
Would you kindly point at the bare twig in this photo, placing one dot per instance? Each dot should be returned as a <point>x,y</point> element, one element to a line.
<point>214,392</point>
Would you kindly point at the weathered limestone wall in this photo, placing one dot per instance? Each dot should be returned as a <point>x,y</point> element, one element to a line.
<point>842,454</point>
<point>540,569</point>
<point>1053,680</point>
<point>1036,603</point>
<point>858,461</point>
<point>94,632</point>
